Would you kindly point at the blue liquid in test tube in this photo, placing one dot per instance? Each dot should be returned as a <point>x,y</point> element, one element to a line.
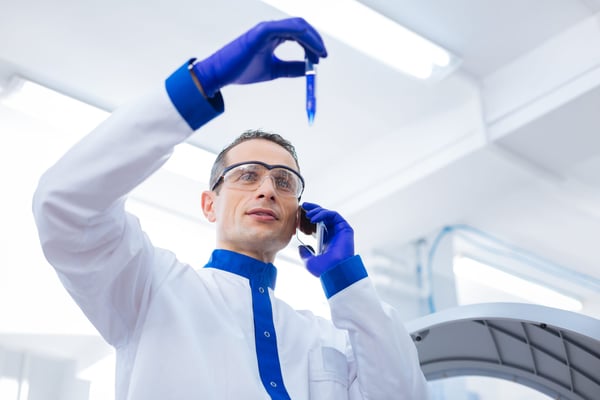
<point>311,100</point>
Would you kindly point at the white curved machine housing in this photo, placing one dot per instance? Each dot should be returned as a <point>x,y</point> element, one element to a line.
<point>553,351</point>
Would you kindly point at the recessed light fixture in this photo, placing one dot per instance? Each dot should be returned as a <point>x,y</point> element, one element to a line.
<point>374,34</point>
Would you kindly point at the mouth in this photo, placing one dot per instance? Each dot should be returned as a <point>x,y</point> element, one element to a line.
<point>263,214</point>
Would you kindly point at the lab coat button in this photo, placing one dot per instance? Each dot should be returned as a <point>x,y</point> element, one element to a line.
<point>261,289</point>
<point>267,334</point>
<point>273,384</point>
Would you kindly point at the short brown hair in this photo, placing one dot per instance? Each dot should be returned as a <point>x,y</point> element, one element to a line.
<point>219,164</point>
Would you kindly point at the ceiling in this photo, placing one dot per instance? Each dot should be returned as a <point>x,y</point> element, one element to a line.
<point>508,143</point>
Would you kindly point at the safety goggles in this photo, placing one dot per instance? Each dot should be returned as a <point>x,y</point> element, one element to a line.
<point>250,175</point>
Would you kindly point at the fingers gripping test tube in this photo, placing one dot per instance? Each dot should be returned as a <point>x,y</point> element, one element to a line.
<point>311,100</point>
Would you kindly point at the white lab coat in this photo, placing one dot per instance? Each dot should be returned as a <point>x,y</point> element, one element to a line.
<point>186,334</point>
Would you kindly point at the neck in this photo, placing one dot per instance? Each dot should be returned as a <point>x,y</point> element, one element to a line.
<point>264,256</point>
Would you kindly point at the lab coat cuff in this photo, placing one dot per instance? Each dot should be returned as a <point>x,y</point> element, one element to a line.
<point>343,275</point>
<point>191,104</point>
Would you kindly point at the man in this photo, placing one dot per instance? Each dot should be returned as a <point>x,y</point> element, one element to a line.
<point>217,333</point>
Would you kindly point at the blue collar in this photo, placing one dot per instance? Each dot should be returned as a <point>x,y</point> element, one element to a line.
<point>248,267</point>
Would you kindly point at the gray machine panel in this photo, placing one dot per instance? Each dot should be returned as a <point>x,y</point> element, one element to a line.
<point>553,351</point>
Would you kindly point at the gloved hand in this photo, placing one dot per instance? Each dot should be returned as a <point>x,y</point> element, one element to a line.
<point>339,241</point>
<point>250,58</point>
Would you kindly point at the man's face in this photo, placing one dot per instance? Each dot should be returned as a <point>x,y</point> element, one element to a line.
<point>259,222</point>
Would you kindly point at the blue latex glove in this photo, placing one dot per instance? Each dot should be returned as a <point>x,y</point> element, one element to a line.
<point>250,58</point>
<point>339,241</point>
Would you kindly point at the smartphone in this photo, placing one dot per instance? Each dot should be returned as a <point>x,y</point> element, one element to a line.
<point>309,234</point>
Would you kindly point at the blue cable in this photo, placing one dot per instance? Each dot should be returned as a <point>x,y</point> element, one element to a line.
<point>432,251</point>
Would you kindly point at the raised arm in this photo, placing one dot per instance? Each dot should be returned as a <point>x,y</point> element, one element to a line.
<point>99,251</point>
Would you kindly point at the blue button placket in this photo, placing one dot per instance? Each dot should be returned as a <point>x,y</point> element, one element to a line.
<point>266,341</point>
<point>261,277</point>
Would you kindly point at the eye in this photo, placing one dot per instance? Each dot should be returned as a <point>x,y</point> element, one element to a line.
<point>246,176</point>
<point>285,181</point>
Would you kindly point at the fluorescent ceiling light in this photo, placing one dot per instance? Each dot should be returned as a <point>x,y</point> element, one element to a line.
<point>470,269</point>
<point>68,114</point>
<point>52,107</point>
<point>373,34</point>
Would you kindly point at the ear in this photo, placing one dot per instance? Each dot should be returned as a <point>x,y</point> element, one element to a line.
<point>298,217</point>
<point>208,205</point>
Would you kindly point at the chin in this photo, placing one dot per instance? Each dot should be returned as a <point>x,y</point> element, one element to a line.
<point>265,234</point>
<point>273,243</point>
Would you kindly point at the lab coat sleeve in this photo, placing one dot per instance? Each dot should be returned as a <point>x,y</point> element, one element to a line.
<point>386,363</point>
<point>100,253</point>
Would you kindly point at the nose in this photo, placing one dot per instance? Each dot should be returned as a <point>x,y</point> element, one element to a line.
<point>267,187</point>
